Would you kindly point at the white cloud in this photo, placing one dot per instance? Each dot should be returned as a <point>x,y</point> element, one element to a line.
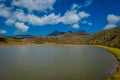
<point>76,26</point>
<point>40,21</point>
<point>21,27</point>
<point>88,2</point>
<point>18,17</point>
<point>4,11</point>
<point>113,20</point>
<point>83,14</point>
<point>76,6</point>
<point>109,26</point>
<point>9,22</point>
<point>70,17</point>
<point>85,4</point>
<point>3,31</point>
<point>39,5</point>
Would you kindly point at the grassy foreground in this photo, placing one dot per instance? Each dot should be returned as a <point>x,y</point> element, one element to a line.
<point>116,53</point>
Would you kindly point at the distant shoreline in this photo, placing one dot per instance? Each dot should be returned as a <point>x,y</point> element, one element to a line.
<point>46,44</point>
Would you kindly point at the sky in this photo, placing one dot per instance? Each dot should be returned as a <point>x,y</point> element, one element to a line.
<point>41,17</point>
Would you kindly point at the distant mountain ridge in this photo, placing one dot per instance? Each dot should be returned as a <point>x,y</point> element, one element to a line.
<point>22,36</point>
<point>58,33</point>
<point>109,38</point>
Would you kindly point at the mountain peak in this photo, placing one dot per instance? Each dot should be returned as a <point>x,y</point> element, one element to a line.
<point>82,32</point>
<point>56,33</point>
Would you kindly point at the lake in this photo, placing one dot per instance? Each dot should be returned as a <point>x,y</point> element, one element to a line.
<point>55,63</point>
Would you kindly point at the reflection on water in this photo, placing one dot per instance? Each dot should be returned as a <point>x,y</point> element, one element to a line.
<point>55,63</point>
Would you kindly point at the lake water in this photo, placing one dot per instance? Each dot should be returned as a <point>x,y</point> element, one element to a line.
<point>55,63</point>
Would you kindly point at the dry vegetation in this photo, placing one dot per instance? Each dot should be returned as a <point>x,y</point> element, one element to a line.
<point>109,38</point>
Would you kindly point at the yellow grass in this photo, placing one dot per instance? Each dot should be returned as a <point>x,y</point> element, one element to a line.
<point>116,52</point>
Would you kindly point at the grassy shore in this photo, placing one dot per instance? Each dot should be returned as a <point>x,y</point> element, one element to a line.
<point>116,53</point>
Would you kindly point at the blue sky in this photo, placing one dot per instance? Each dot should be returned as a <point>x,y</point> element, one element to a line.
<point>41,17</point>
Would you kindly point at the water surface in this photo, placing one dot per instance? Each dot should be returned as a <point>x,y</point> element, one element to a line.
<point>55,63</point>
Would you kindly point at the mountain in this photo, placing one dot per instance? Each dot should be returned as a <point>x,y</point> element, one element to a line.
<point>81,32</point>
<point>109,37</point>
<point>56,33</point>
<point>22,36</point>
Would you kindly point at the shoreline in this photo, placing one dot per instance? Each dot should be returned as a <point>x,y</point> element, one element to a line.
<point>46,44</point>
<point>114,51</point>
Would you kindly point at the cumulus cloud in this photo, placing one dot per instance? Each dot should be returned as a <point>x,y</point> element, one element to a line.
<point>3,31</point>
<point>21,27</point>
<point>70,17</point>
<point>110,26</point>
<point>39,5</point>
<point>9,22</point>
<point>113,20</point>
<point>45,20</point>
<point>18,17</point>
<point>76,26</point>
<point>4,11</point>
<point>36,20</point>
<point>83,14</point>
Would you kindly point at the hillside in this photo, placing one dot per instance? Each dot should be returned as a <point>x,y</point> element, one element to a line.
<point>106,37</point>
<point>4,40</point>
